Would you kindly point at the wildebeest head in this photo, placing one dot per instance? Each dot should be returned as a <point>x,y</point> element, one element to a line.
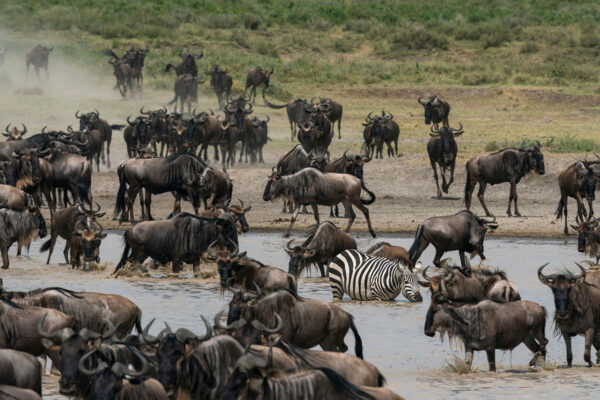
<point>72,347</point>
<point>239,108</point>
<point>249,369</point>
<point>354,164</point>
<point>562,286</point>
<point>39,218</point>
<point>189,61</point>
<point>248,331</point>
<point>238,212</point>
<point>478,232</point>
<point>266,75</point>
<point>298,255</point>
<point>273,184</point>
<point>588,235</point>
<point>430,104</point>
<point>586,179</point>
<point>447,136</point>
<point>453,285</point>
<point>442,318</point>
<point>91,236</point>
<point>319,159</point>
<point>535,158</point>
<point>224,259</point>
<point>14,133</point>
<point>27,167</point>
<point>142,129</point>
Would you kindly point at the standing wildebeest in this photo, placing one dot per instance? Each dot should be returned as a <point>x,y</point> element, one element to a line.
<point>20,227</point>
<point>21,370</point>
<point>436,111</point>
<point>123,74</point>
<point>129,68</point>
<point>19,331</point>
<point>72,173</point>
<point>577,302</point>
<point>334,111</point>
<point>179,173</point>
<point>508,165</point>
<point>187,65</point>
<point>261,128</point>
<point>186,91</point>
<point>221,82</point>
<point>257,77</point>
<point>577,181</point>
<point>442,150</point>
<point>296,112</point>
<point>306,322</point>
<point>92,121</point>
<point>215,187</point>
<point>311,186</point>
<point>379,130</point>
<point>324,241</point>
<point>15,133</point>
<point>182,238</point>
<point>392,253</point>
<point>38,57</point>
<point>137,134</point>
<point>346,164</point>
<point>489,326</point>
<point>463,231</point>
<point>589,238</point>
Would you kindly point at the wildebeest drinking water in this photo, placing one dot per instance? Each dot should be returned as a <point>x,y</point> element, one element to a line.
<point>442,150</point>
<point>507,165</point>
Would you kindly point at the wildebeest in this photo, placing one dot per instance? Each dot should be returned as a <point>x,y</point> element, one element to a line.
<point>21,370</point>
<point>38,57</point>
<point>296,111</point>
<point>578,181</point>
<point>182,238</point>
<point>186,91</point>
<point>346,164</point>
<point>379,130</point>
<point>14,133</point>
<point>215,187</point>
<point>489,326</point>
<point>73,174</point>
<point>136,134</point>
<point>8,392</point>
<point>221,82</point>
<point>334,111</point>
<point>92,121</point>
<point>236,211</point>
<point>442,150</point>
<point>436,111</point>
<point>589,238</point>
<point>257,77</point>
<point>21,227</point>
<point>179,173</point>
<point>392,253</point>
<point>124,76</point>
<point>507,165</point>
<point>306,322</point>
<point>131,65</point>
<point>260,136</point>
<point>577,302</point>
<point>463,231</point>
<point>310,186</point>
<point>324,241</point>
<point>187,65</point>
<point>314,138</point>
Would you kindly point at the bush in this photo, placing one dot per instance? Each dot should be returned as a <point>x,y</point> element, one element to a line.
<point>238,36</point>
<point>496,38</point>
<point>475,78</point>
<point>266,48</point>
<point>220,21</point>
<point>492,146</point>
<point>529,48</point>
<point>418,39</point>
<point>252,21</point>
<point>589,40</point>
<point>344,45</point>
<point>320,24</point>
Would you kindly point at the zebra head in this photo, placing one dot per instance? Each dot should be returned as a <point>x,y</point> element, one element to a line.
<point>410,284</point>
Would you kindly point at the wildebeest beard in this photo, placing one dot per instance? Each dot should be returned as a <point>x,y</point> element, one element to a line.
<point>377,131</point>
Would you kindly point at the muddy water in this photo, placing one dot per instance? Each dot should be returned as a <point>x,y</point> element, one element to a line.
<point>414,364</point>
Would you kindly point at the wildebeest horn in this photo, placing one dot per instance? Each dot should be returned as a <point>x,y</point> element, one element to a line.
<point>435,132</point>
<point>288,247</point>
<point>7,128</point>
<point>44,129</point>
<point>121,370</point>
<point>583,271</point>
<point>451,271</point>
<point>58,334</point>
<point>81,365</point>
<point>77,114</point>
<point>97,113</point>
<point>233,326</point>
<point>147,338</point>
<point>111,330</point>
<point>345,152</point>
<point>168,328</point>
<point>543,278</point>
<point>369,118</point>
<point>6,134</point>
<point>421,101</point>
<point>268,119</point>
<point>424,273</point>
<point>210,251</point>
<point>128,121</point>
<point>261,327</point>
<point>457,130</point>
<point>184,335</point>
<point>98,210</point>
<point>24,129</point>
<point>144,112</point>
<point>237,249</point>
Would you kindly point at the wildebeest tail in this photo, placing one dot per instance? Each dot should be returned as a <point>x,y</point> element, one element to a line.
<point>124,256</point>
<point>415,246</point>
<point>83,189</point>
<point>46,245</point>
<point>358,346</point>
<point>138,322</point>
<point>371,194</point>
<point>559,209</point>
<point>468,184</point>
<point>271,105</point>
<point>120,204</point>
<point>345,388</point>
<point>117,127</point>
<point>380,380</point>
<point>292,285</point>
<point>111,53</point>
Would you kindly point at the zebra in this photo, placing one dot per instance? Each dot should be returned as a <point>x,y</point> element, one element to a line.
<point>364,277</point>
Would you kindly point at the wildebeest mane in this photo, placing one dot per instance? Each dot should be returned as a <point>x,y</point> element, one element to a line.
<point>302,181</point>
<point>66,292</point>
<point>10,303</point>
<point>18,226</point>
<point>203,371</point>
<point>179,169</point>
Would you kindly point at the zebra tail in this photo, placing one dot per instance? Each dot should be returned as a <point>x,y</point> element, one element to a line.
<point>358,346</point>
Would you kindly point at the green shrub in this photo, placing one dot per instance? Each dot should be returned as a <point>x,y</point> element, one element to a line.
<point>252,21</point>
<point>418,39</point>
<point>344,45</point>
<point>266,48</point>
<point>238,36</point>
<point>589,40</point>
<point>320,25</point>
<point>220,21</point>
<point>492,146</point>
<point>529,48</point>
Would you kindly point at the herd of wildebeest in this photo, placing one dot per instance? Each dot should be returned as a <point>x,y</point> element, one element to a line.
<point>263,349</point>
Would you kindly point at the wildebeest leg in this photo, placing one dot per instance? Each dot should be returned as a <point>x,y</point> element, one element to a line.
<point>464,261</point>
<point>131,195</point>
<point>581,212</point>
<point>468,356</point>
<point>564,198</point>
<point>53,237</point>
<point>66,252</point>
<point>19,249</point>
<point>315,210</point>
<point>536,349</point>
<point>4,251</point>
<point>196,269</point>
<point>435,176</point>
<point>148,205</point>
<point>294,216</point>
<point>513,196</point>
<point>437,258</point>
<point>176,266</point>
<point>293,130</point>
<point>591,211</point>
<point>331,212</point>
<point>451,178</point>
<point>480,194</point>
<point>365,211</point>
<point>351,214</point>
<point>141,205</point>
<point>177,205</point>
<point>567,339</point>
<point>589,337</point>
<point>491,356</point>
<point>322,270</point>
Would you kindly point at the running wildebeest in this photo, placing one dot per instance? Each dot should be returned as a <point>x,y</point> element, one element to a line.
<point>311,186</point>
<point>38,57</point>
<point>578,181</point>
<point>334,111</point>
<point>589,238</point>
<point>124,76</point>
<point>577,302</point>
<point>187,65</point>
<point>324,242</point>
<point>508,165</point>
<point>21,227</point>
<point>436,111</point>
<point>186,91</point>
<point>489,326</point>
<point>296,112</point>
<point>257,77</point>
<point>14,133</point>
<point>221,82</point>
<point>463,231</point>
<point>182,238</point>
<point>442,150</point>
<point>21,370</point>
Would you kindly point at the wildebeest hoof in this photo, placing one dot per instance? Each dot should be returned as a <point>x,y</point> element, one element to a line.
<point>5,267</point>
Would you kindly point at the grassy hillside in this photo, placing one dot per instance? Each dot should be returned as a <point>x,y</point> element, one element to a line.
<point>314,43</point>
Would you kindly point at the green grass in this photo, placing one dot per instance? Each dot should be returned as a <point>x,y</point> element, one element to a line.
<point>554,144</point>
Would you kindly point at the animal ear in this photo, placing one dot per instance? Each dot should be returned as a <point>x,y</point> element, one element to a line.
<point>456,134</point>
<point>247,209</point>
<point>242,255</point>
<point>100,215</point>
<point>93,344</point>
<point>190,347</point>
<point>49,345</point>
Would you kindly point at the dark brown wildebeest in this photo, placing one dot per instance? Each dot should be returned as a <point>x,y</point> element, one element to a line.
<point>346,164</point>
<point>221,82</point>
<point>379,130</point>
<point>257,77</point>
<point>124,76</point>
<point>186,91</point>
<point>306,322</point>
<point>236,211</point>
<point>589,238</point>
<point>92,144</point>
<point>21,370</point>
<point>85,243</point>
<point>463,231</point>
<point>92,121</point>
<point>130,67</point>
<point>508,165</point>
<point>15,133</point>
<point>442,150</point>
<point>334,111</point>
<point>215,187</point>
<point>392,253</point>
<point>296,111</point>
<point>311,186</point>
<point>19,324</point>
<point>8,392</point>
<point>262,131</point>
<point>187,65</point>
<point>436,111</point>
<point>577,181</point>
<point>20,227</point>
<point>323,243</point>
<point>577,302</point>
<point>489,326</point>
<point>137,134</point>
<point>182,238</point>
<point>73,174</point>
<point>38,57</point>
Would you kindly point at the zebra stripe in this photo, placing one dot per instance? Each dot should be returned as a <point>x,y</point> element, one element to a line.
<point>364,277</point>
